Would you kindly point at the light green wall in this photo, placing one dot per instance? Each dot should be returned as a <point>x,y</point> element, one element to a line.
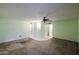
<point>11,29</point>
<point>66,29</point>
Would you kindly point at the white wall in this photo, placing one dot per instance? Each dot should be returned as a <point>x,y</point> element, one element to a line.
<point>12,29</point>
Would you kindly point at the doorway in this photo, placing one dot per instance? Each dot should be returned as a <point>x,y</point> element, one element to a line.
<point>40,30</point>
<point>48,31</point>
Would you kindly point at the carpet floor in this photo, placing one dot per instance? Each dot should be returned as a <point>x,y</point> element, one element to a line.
<point>29,46</point>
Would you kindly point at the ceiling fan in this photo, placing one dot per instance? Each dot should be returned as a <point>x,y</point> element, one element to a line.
<point>45,20</point>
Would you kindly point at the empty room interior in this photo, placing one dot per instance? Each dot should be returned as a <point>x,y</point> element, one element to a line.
<point>39,29</point>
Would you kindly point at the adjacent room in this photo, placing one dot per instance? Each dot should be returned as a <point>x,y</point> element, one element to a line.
<point>39,29</point>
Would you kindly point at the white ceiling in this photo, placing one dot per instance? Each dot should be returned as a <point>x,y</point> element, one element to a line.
<point>36,11</point>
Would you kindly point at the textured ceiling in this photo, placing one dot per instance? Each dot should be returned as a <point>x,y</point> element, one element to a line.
<point>36,11</point>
